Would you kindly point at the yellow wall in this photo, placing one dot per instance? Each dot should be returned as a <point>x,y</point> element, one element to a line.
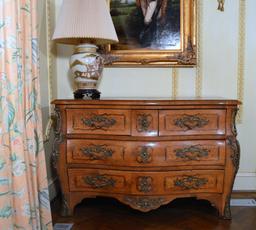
<point>219,68</point>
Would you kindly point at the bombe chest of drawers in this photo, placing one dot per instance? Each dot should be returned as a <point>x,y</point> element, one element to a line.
<point>146,153</point>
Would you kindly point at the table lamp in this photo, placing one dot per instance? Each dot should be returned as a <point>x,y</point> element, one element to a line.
<point>85,23</point>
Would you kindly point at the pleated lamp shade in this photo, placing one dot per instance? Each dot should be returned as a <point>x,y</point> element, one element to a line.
<point>82,21</point>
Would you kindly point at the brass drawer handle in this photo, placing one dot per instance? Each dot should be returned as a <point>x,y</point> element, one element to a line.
<point>99,121</point>
<point>99,181</point>
<point>97,152</point>
<point>143,122</point>
<point>190,182</point>
<point>144,155</point>
<point>192,153</point>
<point>189,122</point>
<point>144,184</point>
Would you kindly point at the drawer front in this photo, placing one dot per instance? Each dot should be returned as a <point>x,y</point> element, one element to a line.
<point>192,122</point>
<point>95,152</point>
<point>150,183</point>
<point>202,152</point>
<point>97,180</point>
<point>148,154</point>
<point>195,181</point>
<point>145,123</point>
<point>93,121</point>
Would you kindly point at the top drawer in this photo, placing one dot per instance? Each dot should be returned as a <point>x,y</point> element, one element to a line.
<point>98,121</point>
<point>192,122</point>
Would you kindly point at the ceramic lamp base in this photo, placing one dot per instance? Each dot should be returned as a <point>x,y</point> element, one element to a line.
<point>87,66</point>
<point>87,94</point>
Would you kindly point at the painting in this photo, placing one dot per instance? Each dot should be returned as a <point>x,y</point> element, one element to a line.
<point>153,33</point>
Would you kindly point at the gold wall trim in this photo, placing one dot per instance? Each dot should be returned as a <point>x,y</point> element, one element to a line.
<point>199,69</point>
<point>175,76</point>
<point>241,56</point>
<point>49,47</point>
<point>51,59</point>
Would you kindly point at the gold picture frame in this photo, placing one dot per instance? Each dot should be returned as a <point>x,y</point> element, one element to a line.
<point>183,55</point>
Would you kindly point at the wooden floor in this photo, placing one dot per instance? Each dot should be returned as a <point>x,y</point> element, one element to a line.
<point>182,214</point>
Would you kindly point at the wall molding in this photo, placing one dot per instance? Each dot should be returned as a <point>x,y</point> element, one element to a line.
<point>246,174</point>
<point>175,76</point>
<point>199,67</point>
<point>51,62</point>
<point>241,56</point>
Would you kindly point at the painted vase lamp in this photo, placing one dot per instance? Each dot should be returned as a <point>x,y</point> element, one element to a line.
<point>78,25</point>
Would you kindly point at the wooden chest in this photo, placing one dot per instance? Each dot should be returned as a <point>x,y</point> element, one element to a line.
<point>145,153</point>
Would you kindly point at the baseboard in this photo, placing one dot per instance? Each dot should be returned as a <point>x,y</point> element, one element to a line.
<point>246,194</point>
<point>53,187</point>
<point>245,181</point>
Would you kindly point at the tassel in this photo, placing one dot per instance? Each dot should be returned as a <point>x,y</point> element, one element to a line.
<point>221,5</point>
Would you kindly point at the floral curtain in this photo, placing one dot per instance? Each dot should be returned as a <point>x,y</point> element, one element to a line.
<point>24,198</point>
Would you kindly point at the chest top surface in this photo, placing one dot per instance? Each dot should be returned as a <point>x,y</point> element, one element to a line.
<point>150,101</point>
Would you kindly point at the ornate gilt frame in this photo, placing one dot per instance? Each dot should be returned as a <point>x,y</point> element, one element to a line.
<point>185,56</point>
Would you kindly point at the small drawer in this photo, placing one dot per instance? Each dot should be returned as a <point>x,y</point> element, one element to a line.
<point>97,180</point>
<point>95,152</point>
<point>146,154</point>
<point>145,123</point>
<point>192,122</point>
<point>98,121</point>
<point>199,152</point>
<point>147,183</point>
<point>194,181</point>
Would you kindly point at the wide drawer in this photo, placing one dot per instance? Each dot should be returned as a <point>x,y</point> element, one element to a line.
<point>146,154</point>
<point>98,121</point>
<point>151,183</point>
<point>192,122</point>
